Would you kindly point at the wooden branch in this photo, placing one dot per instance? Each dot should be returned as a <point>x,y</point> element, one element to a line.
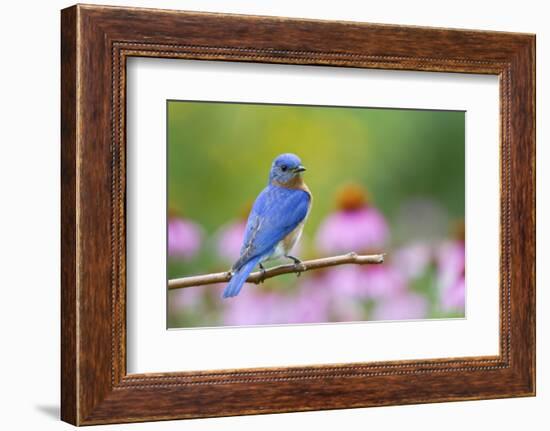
<point>258,277</point>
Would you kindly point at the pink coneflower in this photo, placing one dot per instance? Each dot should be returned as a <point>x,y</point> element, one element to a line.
<point>311,302</point>
<point>181,299</point>
<point>454,297</point>
<point>401,307</point>
<point>256,307</point>
<point>230,239</point>
<point>355,226</point>
<point>413,259</point>
<point>347,280</point>
<point>451,262</point>
<point>344,309</point>
<point>365,282</point>
<point>384,281</point>
<point>184,238</point>
<point>310,308</point>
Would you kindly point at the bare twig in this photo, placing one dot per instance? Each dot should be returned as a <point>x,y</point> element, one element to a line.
<point>258,277</point>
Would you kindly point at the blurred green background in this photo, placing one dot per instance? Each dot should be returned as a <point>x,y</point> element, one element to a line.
<point>409,164</point>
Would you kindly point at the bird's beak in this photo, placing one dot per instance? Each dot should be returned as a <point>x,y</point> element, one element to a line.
<point>299,169</point>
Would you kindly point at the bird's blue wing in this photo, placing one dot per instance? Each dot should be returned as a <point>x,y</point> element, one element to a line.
<point>276,212</point>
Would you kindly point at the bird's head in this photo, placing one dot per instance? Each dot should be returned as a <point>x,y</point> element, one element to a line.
<point>286,168</point>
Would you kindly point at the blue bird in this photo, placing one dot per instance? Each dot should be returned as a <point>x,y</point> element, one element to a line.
<point>275,222</point>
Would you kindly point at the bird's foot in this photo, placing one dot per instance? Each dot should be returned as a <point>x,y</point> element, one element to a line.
<point>299,268</point>
<point>298,265</point>
<point>294,259</point>
<point>262,273</point>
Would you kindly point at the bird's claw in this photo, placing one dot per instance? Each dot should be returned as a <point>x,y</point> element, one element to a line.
<point>294,259</point>
<point>299,268</point>
<point>298,265</point>
<point>262,274</point>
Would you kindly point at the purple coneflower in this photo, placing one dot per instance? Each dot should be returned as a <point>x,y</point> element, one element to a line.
<point>347,280</point>
<point>355,226</point>
<point>451,267</point>
<point>413,259</point>
<point>230,239</point>
<point>384,281</point>
<point>312,301</point>
<point>181,299</point>
<point>454,298</point>
<point>401,307</point>
<point>256,307</point>
<point>184,237</point>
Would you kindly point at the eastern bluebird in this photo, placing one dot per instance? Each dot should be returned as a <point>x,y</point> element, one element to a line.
<point>275,222</point>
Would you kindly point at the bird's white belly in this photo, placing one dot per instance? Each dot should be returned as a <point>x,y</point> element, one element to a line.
<point>284,246</point>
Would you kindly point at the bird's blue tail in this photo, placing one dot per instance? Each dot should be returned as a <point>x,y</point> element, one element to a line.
<point>238,279</point>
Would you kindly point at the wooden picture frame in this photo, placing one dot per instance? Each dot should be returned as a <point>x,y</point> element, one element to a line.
<point>96,41</point>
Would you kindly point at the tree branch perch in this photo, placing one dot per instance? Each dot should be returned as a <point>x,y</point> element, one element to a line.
<point>258,277</point>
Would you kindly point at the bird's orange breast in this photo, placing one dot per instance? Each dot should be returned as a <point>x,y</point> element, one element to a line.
<point>296,183</point>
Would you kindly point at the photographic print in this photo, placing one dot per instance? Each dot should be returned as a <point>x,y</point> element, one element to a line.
<point>257,186</point>
<point>189,157</point>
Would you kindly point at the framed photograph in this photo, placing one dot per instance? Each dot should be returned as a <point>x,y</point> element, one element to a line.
<point>263,214</point>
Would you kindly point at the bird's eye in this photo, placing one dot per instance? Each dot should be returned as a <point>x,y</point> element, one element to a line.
<point>284,168</point>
